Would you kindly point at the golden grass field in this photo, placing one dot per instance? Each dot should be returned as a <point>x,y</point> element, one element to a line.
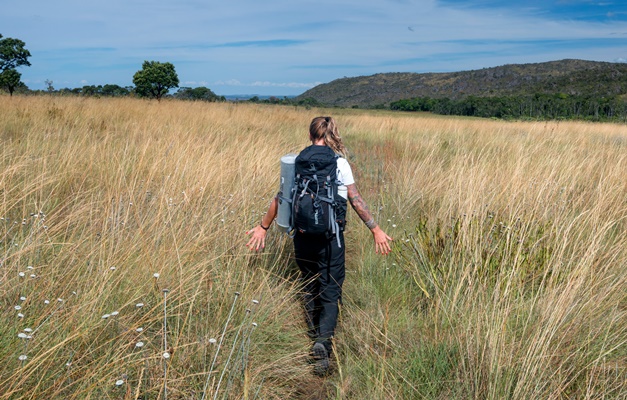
<point>508,277</point>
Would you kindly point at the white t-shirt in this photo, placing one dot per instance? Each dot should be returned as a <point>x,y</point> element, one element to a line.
<point>344,176</point>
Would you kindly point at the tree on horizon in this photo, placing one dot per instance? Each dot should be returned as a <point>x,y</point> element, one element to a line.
<point>13,54</point>
<point>155,79</point>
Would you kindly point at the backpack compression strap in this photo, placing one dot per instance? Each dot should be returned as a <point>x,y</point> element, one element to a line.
<point>334,226</point>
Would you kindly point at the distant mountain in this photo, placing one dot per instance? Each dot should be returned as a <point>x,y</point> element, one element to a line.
<point>573,77</point>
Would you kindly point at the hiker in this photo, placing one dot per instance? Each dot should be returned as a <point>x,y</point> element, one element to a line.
<point>320,257</point>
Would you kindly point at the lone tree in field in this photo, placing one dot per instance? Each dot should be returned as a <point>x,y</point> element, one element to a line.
<point>12,55</point>
<point>155,79</point>
<point>10,79</point>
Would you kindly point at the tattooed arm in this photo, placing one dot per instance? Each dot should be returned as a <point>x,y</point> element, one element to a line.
<point>381,239</point>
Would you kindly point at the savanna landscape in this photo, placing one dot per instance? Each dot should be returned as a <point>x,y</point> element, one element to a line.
<point>124,271</point>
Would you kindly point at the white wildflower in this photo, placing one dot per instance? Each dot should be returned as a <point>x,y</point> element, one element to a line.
<point>139,344</point>
<point>166,355</point>
<point>23,357</point>
<point>119,382</point>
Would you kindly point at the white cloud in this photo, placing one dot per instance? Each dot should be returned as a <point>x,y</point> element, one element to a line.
<point>230,82</point>
<point>620,60</point>
<point>286,85</point>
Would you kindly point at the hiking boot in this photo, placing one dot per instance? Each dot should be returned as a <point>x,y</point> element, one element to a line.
<point>321,357</point>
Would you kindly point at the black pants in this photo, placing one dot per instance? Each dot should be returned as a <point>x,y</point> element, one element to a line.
<point>321,262</point>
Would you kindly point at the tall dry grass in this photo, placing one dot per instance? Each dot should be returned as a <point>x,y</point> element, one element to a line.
<point>507,279</point>
<point>514,237</point>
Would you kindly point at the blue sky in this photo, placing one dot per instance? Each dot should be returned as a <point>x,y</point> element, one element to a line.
<point>284,47</point>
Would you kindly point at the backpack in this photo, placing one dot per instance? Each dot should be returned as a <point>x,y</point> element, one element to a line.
<point>316,207</point>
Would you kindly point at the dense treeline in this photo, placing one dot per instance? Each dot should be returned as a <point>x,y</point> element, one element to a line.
<point>112,90</point>
<point>183,93</point>
<point>287,101</point>
<point>108,90</point>
<point>538,106</point>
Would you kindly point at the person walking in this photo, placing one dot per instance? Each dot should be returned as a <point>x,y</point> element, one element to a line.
<point>321,257</point>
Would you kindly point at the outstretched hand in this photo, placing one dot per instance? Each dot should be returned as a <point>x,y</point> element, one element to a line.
<point>258,238</point>
<point>381,241</point>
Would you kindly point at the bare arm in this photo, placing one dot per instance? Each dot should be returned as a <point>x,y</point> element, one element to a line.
<point>381,239</point>
<point>258,238</point>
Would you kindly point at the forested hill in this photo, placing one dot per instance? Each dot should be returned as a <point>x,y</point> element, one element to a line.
<point>571,77</point>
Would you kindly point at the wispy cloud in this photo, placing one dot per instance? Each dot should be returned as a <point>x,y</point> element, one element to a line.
<point>293,85</point>
<point>264,43</point>
<point>267,84</point>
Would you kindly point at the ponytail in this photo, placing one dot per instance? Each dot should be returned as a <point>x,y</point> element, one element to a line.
<point>325,127</point>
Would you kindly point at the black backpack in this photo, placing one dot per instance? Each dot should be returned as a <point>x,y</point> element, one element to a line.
<point>316,207</point>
